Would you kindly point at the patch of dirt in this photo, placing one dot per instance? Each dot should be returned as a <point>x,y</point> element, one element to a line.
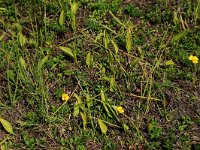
<point>93,145</point>
<point>185,100</point>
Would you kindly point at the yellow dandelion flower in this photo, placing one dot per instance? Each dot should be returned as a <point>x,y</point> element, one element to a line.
<point>65,97</point>
<point>191,57</point>
<point>120,109</point>
<point>194,59</point>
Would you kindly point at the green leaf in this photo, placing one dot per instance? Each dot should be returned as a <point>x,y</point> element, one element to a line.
<point>84,119</point>
<point>42,62</point>
<point>175,18</point>
<point>62,18</point>
<point>128,40</point>
<point>79,101</point>
<point>7,126</point>
<point>112,84</point>
<point>103,98</point>
<point>22,62</point>
<point>103,126</point>
<point>69,72</point>
<point>141,52</point>
<point>2,36</point>
<point>104,78</point>
<point>157,64</point>
<point>89,100</point>
<point>134,61</point>
<point>18,27</point>
<point>22,39</point>
<point>106,39</point>
<point>74,8</point>
<point>88,59</point>
<point>115,47</point>
<point>76,109</point>
<point>107,109</point>
<point>169,62</point>
<point>112,112</point>
<point>10,75</point>
<point>99,37</point>
<point>2,9</point>
<point>67,51</point>
<point>116,19</point>
<point>178,36</point>
<point>126,128</point>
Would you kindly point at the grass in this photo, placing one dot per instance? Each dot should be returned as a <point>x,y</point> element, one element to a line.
<point>124,65</point>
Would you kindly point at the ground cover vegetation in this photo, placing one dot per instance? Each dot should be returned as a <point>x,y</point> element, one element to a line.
<point>100,74</point>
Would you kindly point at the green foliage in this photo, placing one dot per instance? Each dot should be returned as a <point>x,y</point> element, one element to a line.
<point>7,126</point>
<point>120,62</point>
<point>184,123</point>
<point>154,129</point>
<point>29,141</point>
<point>132,11</point>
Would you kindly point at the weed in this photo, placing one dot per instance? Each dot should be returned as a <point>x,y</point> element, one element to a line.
<point>85,74</point>
<point>154,129</point>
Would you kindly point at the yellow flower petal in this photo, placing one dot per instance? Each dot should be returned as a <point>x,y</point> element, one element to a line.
<point>195,58</point>
<point>195,61</point>
<point>191,57</point>
<point>65,97</point>
<point>120,109</point>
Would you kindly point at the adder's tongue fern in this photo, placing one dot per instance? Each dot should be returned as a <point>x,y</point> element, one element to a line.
<point>74,9</point>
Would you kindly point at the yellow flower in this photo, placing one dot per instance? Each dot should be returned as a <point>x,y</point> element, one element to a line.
<point>194,59</point>
<point>65,97</point>
<point>120,109</point>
